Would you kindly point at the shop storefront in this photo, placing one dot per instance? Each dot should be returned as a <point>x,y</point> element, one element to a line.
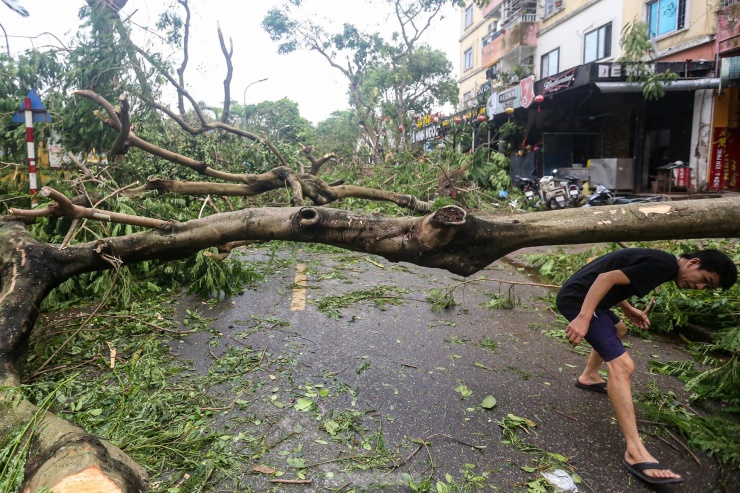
<point>592,112</point>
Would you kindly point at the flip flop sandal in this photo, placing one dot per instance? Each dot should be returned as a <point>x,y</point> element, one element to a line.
<point>637,468</point>
<point>594,387</point>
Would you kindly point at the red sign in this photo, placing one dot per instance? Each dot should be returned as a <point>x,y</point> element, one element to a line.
<point>683,177</point>
<point>724,170</point>
<point>527,86</point>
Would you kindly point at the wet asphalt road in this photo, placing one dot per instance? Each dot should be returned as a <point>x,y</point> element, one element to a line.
<point>399,370</point>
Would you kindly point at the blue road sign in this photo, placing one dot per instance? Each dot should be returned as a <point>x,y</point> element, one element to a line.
<point>38,110</point>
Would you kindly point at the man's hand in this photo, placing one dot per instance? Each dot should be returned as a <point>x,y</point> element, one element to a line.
<point>636,316</point>
<point>576,330</point>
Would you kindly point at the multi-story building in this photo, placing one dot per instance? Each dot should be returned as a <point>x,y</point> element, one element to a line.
<point>683,32</point>
<point>497,42</point>
<point>576,32</point>
<point>590,109</point>
<point>473,28</point>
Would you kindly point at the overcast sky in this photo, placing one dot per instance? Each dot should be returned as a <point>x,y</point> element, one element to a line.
<point>302,77</point>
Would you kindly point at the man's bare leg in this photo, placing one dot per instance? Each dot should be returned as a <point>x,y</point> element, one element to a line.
<point>591,373</point>
<point>620,396</point>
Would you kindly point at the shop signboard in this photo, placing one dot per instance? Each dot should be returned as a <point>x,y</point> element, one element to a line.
<point>526,88</point>
<point>507,98</point>
<point>563,80</point>
<point>724,172</point>
<point>425,133</point>
<point>609,71</point>
<point>481,94</point>
<point>491,104</point>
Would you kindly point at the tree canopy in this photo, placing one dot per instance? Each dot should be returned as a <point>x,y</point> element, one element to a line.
<point>281,119</point>
<point>388,76</point>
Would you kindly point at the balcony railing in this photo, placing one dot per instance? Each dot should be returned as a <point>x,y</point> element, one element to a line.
<point>491,37</point>
<point>516,11</point>
<point>517,17</point>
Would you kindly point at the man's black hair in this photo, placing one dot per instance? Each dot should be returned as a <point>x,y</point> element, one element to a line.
<point>718,263</point>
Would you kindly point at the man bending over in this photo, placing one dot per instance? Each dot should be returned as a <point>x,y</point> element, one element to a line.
<point>585,300</point>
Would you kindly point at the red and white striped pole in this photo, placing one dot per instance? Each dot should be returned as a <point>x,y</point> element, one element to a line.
<point>31,151</point>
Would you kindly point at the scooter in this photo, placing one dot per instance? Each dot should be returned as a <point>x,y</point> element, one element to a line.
<point>572,187</point>
<point>526,185</point>
<point>551,194</point>
<point>604,196</point>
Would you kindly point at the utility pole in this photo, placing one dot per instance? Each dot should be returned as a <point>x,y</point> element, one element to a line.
<point>31,110</point>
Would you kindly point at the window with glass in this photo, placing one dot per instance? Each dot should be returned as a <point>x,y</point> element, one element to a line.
<point>549,7</point>
<point>469,16</point>
<point>665,16</point>
<point>549,63</point>
<point>468,59</point>
<point>597,44</point>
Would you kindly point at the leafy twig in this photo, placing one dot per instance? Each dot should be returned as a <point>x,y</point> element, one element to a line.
<point>82,325</point>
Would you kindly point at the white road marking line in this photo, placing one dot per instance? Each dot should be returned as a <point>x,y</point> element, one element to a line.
<point>299,291</point>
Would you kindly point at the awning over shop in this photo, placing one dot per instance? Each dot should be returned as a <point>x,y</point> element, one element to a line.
<point>613,77</point>
<point>677,85</point>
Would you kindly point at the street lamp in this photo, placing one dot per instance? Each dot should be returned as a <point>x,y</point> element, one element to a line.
<point>278,131</point>
<point>244,99</point>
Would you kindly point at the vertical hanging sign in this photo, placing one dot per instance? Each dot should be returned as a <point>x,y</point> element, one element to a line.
<point>32,110</point>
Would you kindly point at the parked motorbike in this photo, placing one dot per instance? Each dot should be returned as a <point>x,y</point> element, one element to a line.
<point>551,194</point>
<point>527,186</point>
<point>572,187</point>
<point>604,196</point>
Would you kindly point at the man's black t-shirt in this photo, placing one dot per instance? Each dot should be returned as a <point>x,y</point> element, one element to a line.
<point>644,267</point>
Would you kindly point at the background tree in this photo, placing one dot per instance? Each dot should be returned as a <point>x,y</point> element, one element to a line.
<point>409,85</point>
<point>355,53</point>
<point>39,70</point>
<point>281,119</point>
<point>638,53</point>
<point>340,134</point>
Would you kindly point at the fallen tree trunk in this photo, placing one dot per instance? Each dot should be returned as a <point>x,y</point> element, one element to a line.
<point>449,238</point>
<point>63,457</point>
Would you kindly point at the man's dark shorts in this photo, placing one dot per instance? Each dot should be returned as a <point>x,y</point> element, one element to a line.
<point>602,331</point>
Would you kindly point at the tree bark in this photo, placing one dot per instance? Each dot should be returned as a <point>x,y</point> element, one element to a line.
<point>449,238</point>
<point>64,458</point>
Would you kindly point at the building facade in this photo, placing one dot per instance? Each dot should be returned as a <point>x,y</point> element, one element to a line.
<point>591,109</point>
<point>724,162</point>
<point>473,29</point>
<point>497,43</point>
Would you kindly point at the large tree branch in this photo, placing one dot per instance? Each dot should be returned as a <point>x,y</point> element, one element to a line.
<point>132,140</point>
<point>119,146</point>
<point>65,207</point>
<point>64,457</point>
<point>228,53</point>
<point>448,239</point>
<point>185,56</point>
<point>205,124</point>
<point>316,164</point>
<point>302,185</point>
